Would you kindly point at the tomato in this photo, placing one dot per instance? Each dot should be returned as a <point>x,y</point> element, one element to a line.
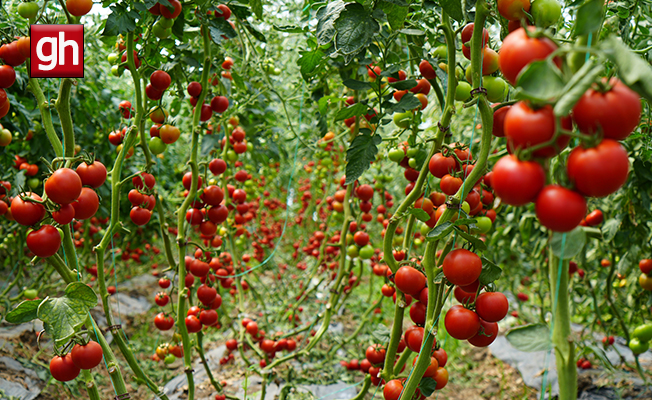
<point>484,224</point>
<point>643,332</point>
<point>375,354</point>
<point>414,338</point>
<point>409,280</point>
<point>440,166</point>
<point>463,91</point>
<point>164,283</point>
<point>638,347</point>
<point>615,113</point>
<point>193,324</point>
<point>28,9</point>
<point>467,33</point>
<point>219,104</point>
<point>491,306</point>
<point>441,378</point>
<point>5,137</point>
<point>87,356</point>
<point>450,184</point>
<point>426,70</point>
<point>388,291</point>
<point>545,12</point>
<point>45,241</point>
<point>526,127</point>
<point>208,317</point>
<point>463,296</point>
<point>366,252</point>
<point>212,195</point>
<point>93,175</point>
<point>86,204</point>
<point>169,134</point>
<point>519,50</point>
<point>157,146</point>
<point>517,182</point>
<point>171,12</point>
<point>79,7</point>
<point>7,76</point>
<point>231,344</point>
<point>361,238</point>
<point>513,10</point>
<point>418,313</point>
<point>162,299</point>
<point>402,121</point>
<point>252,328</point>
<point>560,209</point>
<point>223,11</point>
<point>598,171</point>
<point>239,196</point>
<point>393,389</point>
<point>486,334</point>
<point>645,265</point>
<point>26,212</point>
<point>645,281</point>
<point>140,216</point>
<point>461,323</point>
<point>441,356</point>
<point>160,80</point>
<point>364,192</point>
<point>490,63</point>
<point>11,54</point>
<point>462,267</point>
<point>63,368</point>
<point>206,294</point>
<point>594,218</point>
<point>158,114</point>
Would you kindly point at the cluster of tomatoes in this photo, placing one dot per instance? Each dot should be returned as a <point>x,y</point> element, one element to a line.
<point>162,28</point>
<point>435,371</point>
<point>82,356</point>
<point>142,198</point>
<point>167,352</point>
<point>13,55</point>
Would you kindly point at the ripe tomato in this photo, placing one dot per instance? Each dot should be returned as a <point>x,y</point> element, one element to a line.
<point>45,241</point>
<point>594,218</point>
<point>63,186</point>
<point>208,317</point>
<point>441,377</point>
<point>560,209</point>
<point>140,216</point>
<point>426,70</point>
<point>206,294</point>
<point>162,299</point>
<point>463,296</point>
<point>441,356</point>
<point>491,306</point>
<point>219,104</point>
<point>615,113</point>
<point>160,80</point>
<point>513,10</point>
<point>171,14</point>
<point>193,324</point>
<point>364,192</point>
<point>409,280</point>
<point>375,354</point>
<point>93,175</point>
<point>26,212</point>
<point>518,50</point>
<point>7,78</point>
<point>223,11</point>
<point>498,128</point>
<point>517,182</point>
<point>79,7</point>
<point>450,184</point>
<point>63,368</point>
<point>462,267</point>
<point>461,323</point>
<point>392,389</point>
<point>169,134</point>
<point>486,334</point>
<point>86,204</point>
<point>418,313</point>
<point>252,328</point>
<point>645,281</point>
<point>414,338</point>
<point>645,265</point>
<point>526,127</point>
<point>598,171</point>
<point>440,166</point>
<point>87,356</point>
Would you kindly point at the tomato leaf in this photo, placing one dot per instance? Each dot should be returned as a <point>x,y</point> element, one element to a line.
<point>589,17</point>
<point>465,221</point>
<point>64,315</point>
<point>408,102</point>
<point>427,386</point>
<point>356,85</point>
<point>395,11</point>
<point>569,247</point>
<point>577,86</point>
<point>490,272</point>
<point>257,8</point>
<point>440,231</point>
<point>355,31</point>
<point>453,8</point>
<point>610,228</point>
<point>540,81</point>
<point>530,338</point>
<point>120,20</point>
<point>382,334</point>
<point>632,69</point>
<point>404,85</point>
<point>419,214</point>
<point>219,27</point>
<point>628,259</point>
<point>360,154</point>
<point>326,17</point>
<point>309,62</point>
<point>476,242</point>
<point>357,109</point>
<point>25,312</point>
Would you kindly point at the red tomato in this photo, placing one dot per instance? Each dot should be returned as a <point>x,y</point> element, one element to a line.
<point>513,10</point>
<point>498,128</point>
<point>486,334</point>
<point>560,209</point>
<point>467,33</point>
<point>364,192</point>
<point>461,323</point>
<point>426,70</point>
<point>615,113</point>
<point>491,306</point>
<point>645,265</point>
<point>63,368</point>
<point>414,338</point>
<point>518,50</point>
<point>526,127</point>
<point>93,175</point>
<point>418,313</point>
<point>79,7</point>
<point>517,182</point>
<point>7,78</point>
<point>26,212</point>
<point>594,218</point>
<point>463,296</point>
<point>392,389</point>
<point>45,241</point>
<point>63,186</point>
<point>87,356</point>
<point>86,204</point>
<point>140,216</point>
<point>171,14</point>
<point>160,80</point>
<point>462,267</point>
<point>598,171</point>
<point>450,184</point>
<point>441,356</point>
<point>193,324</point>
<point>375,354</point>
<point>440,166</point>
<point>409,280</point>
<point>441,377</point>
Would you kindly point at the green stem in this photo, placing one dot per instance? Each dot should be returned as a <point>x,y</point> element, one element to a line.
<point>200,350</point>
<point>46,117</point>
<point>91,387</point>
<point>62,105</point>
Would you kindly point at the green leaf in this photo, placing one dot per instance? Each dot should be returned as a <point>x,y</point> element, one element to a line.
<point>427,386</point>
<point>219,27</point>
<point>577,86</point>
<point>610,228</point>
<point>360,155</point>
<point>589,17</point>
<point>540,81</point>
<point>64,315</point>
<point>408,102</point>
<point>453,8</point>
<point>309,62</point>
<point>289,28</point>
<point>382,334</point>
<point>530,338</point>
<point>419,214</point>
<point>440,231</point>
<point>395,12</point>
<point>601,355</point>
<point>356,85</point>
<point>572,244</point>
<point>354,110</point>
<point>490,272</point>
<point>404,85</point>
<point>632,69</point>
<point>628,260</point>
<point>257,8</point>
<point>643,169</point>
<point>25,312</point>
<point>355,30</point>
<point>465,221</point>
<point>254,31</point>
<point>412,32</point>
<point>475,241</point>
<point>120,20</point>
<point>326,16</point>
<point>238,80</point>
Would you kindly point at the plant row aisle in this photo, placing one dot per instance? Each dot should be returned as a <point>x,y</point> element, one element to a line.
<point>387,185</point>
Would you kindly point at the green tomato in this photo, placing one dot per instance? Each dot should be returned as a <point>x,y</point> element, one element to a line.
<point>326,162</point>
<point>349,238</point>
<point>459,72</point>
<point>468,74</point>
<point>276,71</point>
<point>440,52</point>
<point>28,10</point>
<point>643,333</point>
<point>396,155</point>
<point>116,71</point>
<point>466,207</point>
<point>250,147</point>
<point>160,31</point>
<point>231,156</point>
<point>483,224</point>
<point>352,251</point>
<point>402,120</point>
<point>412,162</point>
<point>497,88</point>
<point>169,359</point>
<point>379,186</point>
<point>30,294</point>
<point>638,347</point>
<point>33,183</point>
<point>367,252</point>
<point>165,22</point>
<point>424,229</point>
<point>545,12</point>
<point>463,91</point>
<point>412,151</point>
<point>398,240</point>
<point>418,242</point>
<point>112,58</point>
<point>156,145</point>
